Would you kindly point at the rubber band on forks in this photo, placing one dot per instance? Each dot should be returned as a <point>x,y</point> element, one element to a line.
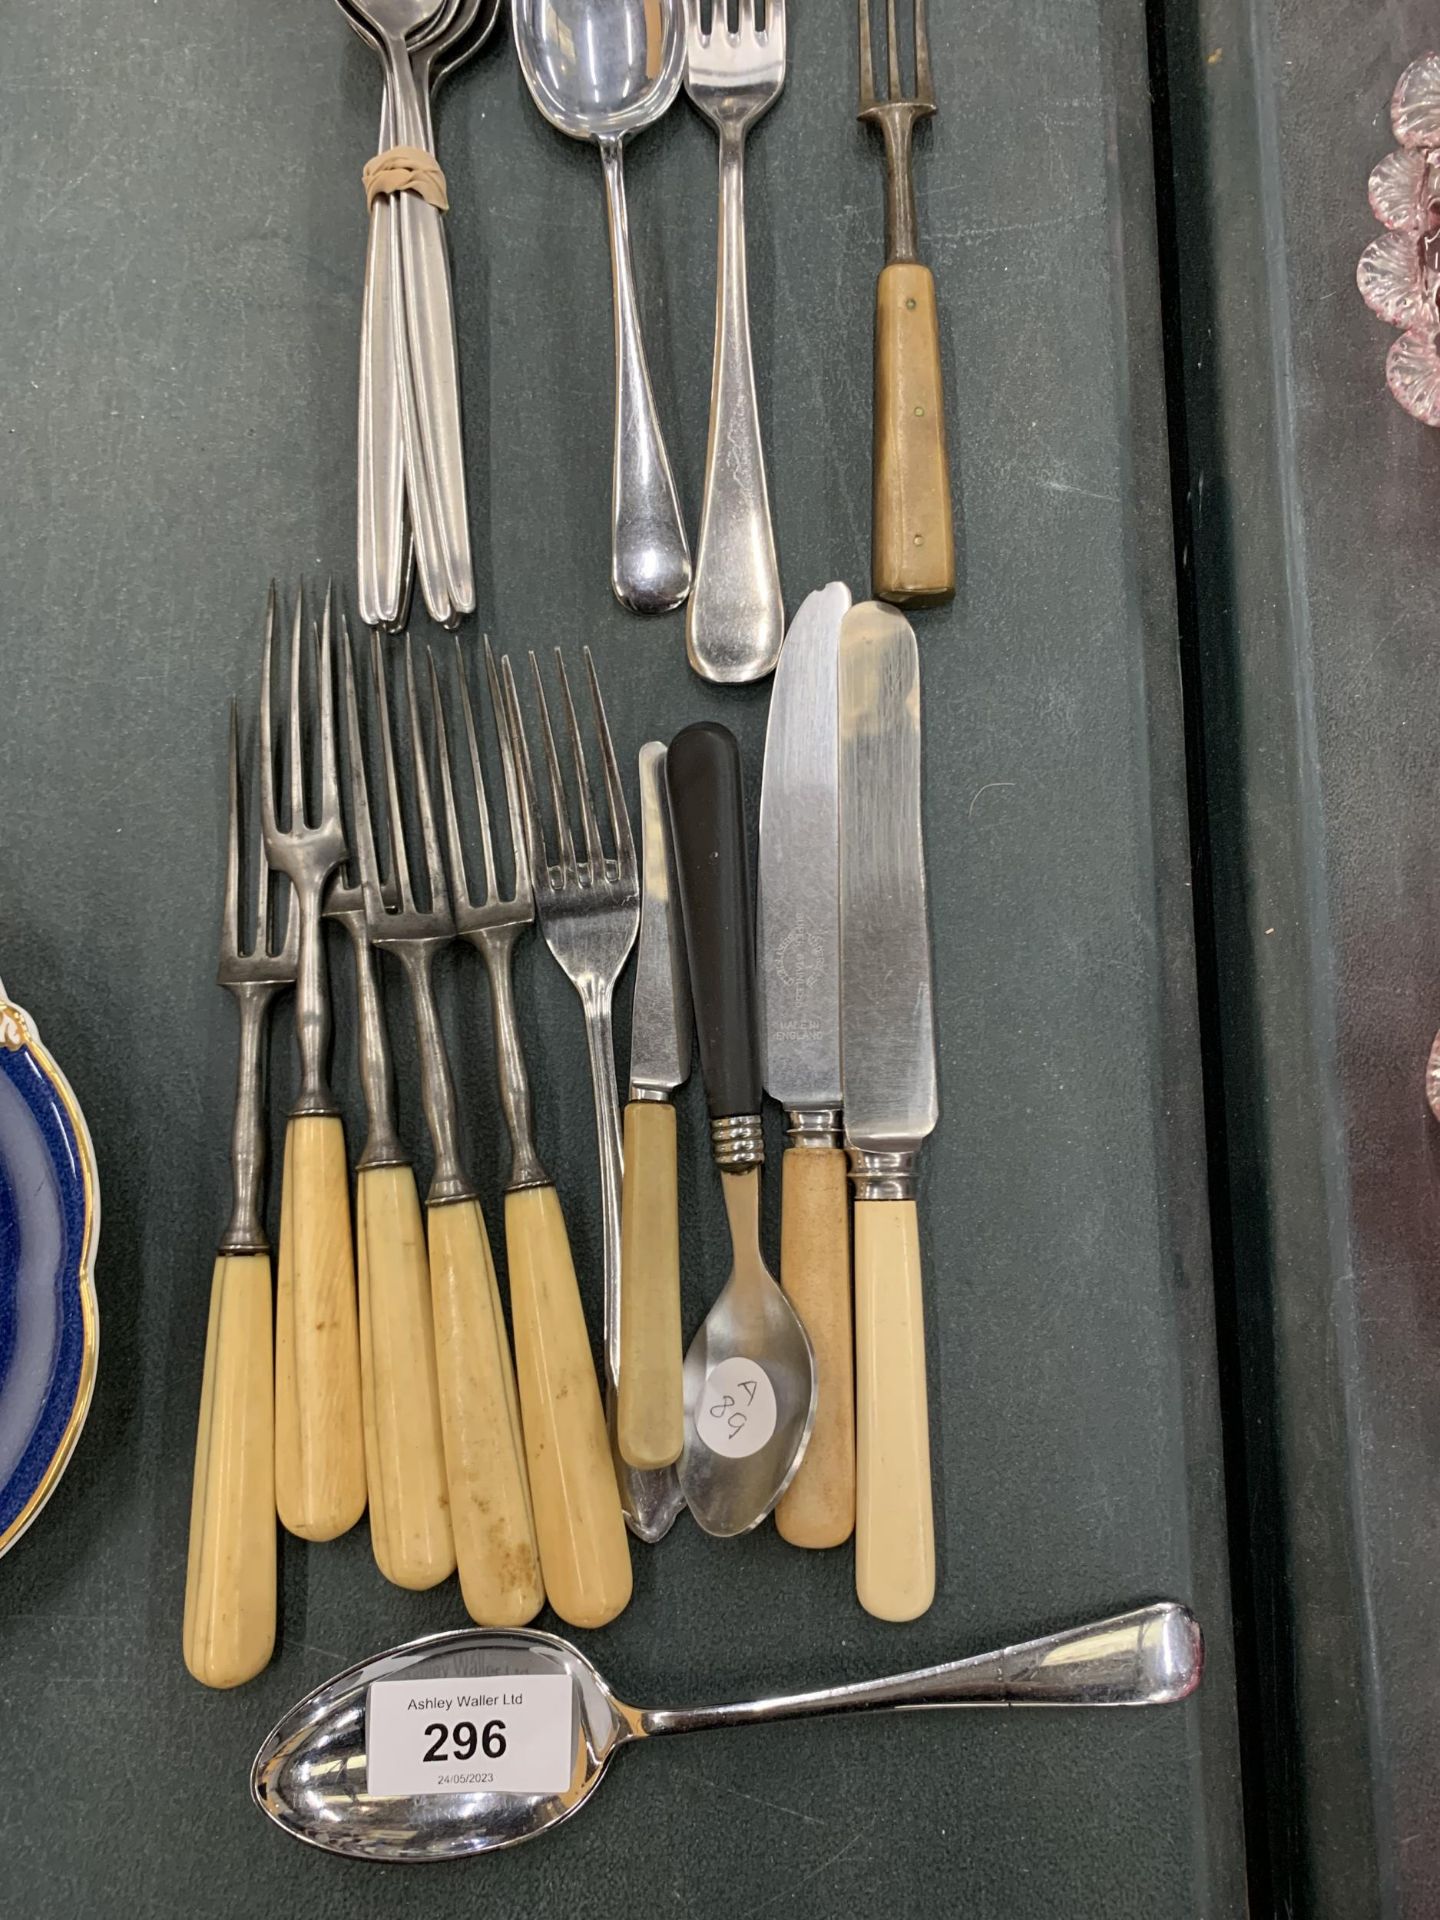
<point>406,170</point>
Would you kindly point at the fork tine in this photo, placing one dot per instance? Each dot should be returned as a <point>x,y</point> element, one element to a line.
<point>395,819</point>
<point>775,25</point>
<point>295,730</point>
<point>924,80</point>
<point>563,841</point>
<point>477,770</point>
<point>230,917</point>
<point>615,793</point>
<point>594,852</point>
<point>892,51</point>
<point>693,34</point>
<point>529,805</point>
<point>329,764</point>
<point>867,59</point>
<point>458,879</point>
<point>266,743</point>
<point>361,828</point>
<point>513,804</point>
<point>435,866</point>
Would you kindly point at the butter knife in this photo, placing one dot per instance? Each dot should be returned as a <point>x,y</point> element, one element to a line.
<point>798,952</point>
<point>891,1103</point>
<point>650,1422</point>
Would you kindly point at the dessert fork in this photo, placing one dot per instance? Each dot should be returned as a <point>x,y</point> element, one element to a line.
<point>319,1429</point>
<point>735,621</point>
<point>589,911</point>
<point>913,530</point>
<point>230,1575</point>
<point>494,1528</point>
<point>584,1552</point>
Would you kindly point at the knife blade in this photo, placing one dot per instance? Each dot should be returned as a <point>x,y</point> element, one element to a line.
<point>798,915</point>
<point>661,1021</point>
<point>891,1098</point>
<point>798,949</point>
<point>650,1417</point>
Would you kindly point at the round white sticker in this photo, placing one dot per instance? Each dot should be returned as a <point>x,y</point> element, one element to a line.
<point>736,1415</point>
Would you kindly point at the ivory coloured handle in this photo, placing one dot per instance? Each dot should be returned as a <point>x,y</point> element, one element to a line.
<point>490,1512</point>
<point>913,535</point>
<point>650,1422</point>
<point>894,1510</point>
<point>404,1446</point>
<point>326,1495</point>
<point>818,1507</point>
<point>230,1578</point>
<point>287,1413</point>
<point>584,1549</point>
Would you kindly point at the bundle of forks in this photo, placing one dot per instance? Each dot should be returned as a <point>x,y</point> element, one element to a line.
<point>390,1381</point>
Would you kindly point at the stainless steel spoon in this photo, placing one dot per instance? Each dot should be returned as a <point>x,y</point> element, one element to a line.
<point>602,70</point>
<point>312,1773</point>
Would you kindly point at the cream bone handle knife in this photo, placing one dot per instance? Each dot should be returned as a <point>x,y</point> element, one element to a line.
<point>798,943</point>
<point>891,1104</point>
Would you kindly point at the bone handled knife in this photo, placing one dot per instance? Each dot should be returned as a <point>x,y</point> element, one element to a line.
<point>650,1421</point>
<point>798,948</point>
<point>891,1104</point>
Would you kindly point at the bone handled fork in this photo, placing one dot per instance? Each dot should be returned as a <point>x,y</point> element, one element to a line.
<point>319,1427</point>
<point>913,534</point>
<point>589,910</point>
<point>735,619</point>
<point>230,1577</point>
<point>494,1528</point>
<point>584,1550</point>
<point>410,1530</point>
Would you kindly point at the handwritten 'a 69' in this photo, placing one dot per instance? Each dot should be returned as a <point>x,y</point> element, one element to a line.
<point>728,1411</point>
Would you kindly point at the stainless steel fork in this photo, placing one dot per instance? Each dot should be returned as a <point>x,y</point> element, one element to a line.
<point>735,620</point>
<point>589,914</point>
<point>230,1576</point>
<point>319,1428</point>
<point>583,1547</point>
<point>494,1528</point>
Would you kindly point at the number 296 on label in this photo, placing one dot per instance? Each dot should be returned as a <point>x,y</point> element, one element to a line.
<point>507,1733</point>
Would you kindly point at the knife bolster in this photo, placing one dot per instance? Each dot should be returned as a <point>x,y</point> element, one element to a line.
<point>815,1128</point>
<point>738,1142</point>
<point>882,1176</point>
<point>657,1095</point>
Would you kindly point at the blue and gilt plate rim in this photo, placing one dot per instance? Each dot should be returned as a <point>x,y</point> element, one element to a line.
<point>89,1306</point>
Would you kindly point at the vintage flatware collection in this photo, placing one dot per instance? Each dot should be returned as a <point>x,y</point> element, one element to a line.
<point>602,71</point>
<point>392,1375</point>
<point>390,1381</point>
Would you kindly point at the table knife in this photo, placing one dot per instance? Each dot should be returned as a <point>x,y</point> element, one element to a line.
<point>891,1104</point>
<point>798,944</point>
<point>650,1422</point>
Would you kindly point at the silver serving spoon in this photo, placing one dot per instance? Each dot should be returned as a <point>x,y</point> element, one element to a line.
<point>312,1773</point>
<point>602,70</point>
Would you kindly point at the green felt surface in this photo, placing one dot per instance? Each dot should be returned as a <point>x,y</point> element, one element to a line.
<point>183,237</point>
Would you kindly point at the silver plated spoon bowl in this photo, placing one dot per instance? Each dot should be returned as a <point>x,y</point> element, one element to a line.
<point>311,1775</point>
